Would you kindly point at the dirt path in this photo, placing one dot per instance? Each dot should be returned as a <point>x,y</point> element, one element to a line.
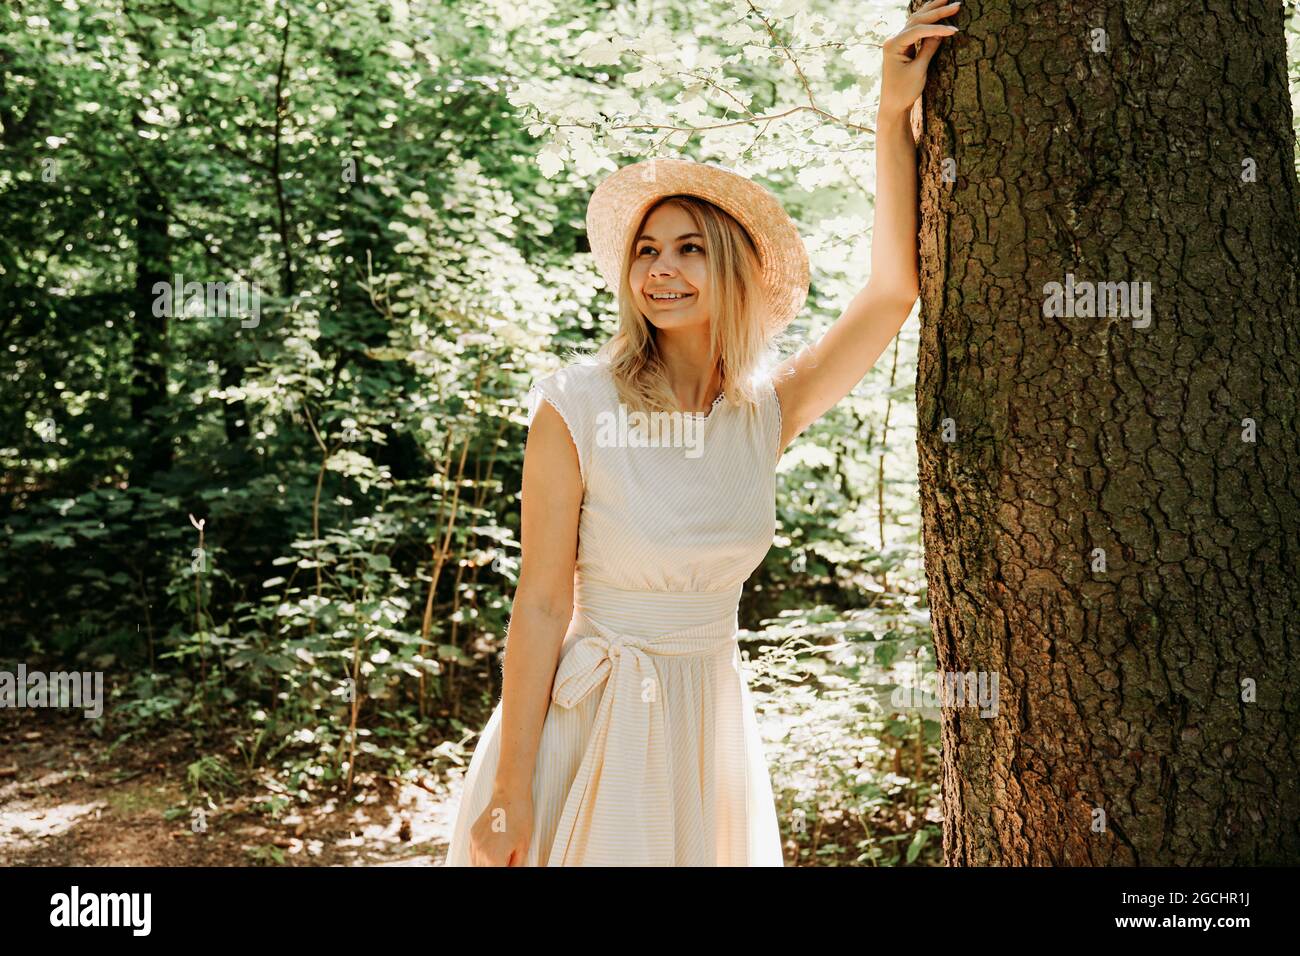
<point>62,804</point>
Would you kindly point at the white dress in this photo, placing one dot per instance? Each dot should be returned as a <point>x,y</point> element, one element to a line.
<point>650,753</point>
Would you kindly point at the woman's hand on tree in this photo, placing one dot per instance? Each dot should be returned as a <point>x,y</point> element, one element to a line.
<point>907,56</point>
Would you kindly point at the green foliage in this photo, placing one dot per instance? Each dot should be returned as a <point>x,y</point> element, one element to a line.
<point>267,855</point>
<point>211,776</point>
<point>852,777</point>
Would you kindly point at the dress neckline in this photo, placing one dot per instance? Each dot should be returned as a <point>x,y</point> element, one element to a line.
<point>705,416</point>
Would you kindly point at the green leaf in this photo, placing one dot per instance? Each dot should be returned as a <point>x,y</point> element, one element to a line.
<point>918,843</point>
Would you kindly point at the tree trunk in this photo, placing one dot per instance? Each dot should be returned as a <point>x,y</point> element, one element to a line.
<point>152,453</point>
<point>1111,501</point>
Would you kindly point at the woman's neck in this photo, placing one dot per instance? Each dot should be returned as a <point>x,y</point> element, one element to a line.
<point>692,370</point>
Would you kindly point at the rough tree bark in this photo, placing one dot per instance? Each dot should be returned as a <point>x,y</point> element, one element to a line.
<point>1117,143</point>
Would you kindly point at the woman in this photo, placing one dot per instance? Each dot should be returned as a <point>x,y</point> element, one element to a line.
<point>625,734</point>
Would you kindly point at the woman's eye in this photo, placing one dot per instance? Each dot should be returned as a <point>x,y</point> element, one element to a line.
<point>686,247</point>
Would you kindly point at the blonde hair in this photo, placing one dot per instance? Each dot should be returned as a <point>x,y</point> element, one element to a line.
<point>737,316</point>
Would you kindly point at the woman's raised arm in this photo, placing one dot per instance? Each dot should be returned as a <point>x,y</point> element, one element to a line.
<point>814,379</point>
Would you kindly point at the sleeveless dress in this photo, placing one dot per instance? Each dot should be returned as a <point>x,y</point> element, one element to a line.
<point>650,753</point>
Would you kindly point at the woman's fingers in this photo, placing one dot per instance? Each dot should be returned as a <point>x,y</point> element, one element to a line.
<point>914,35</point>
<point>932,12</point>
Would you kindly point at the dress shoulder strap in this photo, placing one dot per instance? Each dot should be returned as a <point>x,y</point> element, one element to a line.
<point>574,391</point>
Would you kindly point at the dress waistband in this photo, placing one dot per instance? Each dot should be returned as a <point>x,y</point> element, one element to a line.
<point>650,614</point>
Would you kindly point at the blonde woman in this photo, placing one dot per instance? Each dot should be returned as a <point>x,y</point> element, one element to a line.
<point>625,735</point>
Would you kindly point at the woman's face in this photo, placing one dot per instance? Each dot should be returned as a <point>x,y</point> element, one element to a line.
<point>669,270</point>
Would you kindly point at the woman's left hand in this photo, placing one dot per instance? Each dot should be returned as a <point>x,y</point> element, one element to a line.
<point>908,53</point>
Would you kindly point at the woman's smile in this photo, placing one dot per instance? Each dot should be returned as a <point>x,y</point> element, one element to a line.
<point>669,300</point>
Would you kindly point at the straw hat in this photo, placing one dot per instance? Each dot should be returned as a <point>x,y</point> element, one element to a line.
<point>622,198</point>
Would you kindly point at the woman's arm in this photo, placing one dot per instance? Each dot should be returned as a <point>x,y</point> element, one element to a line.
<point>543,605</point>
<point>821,374</point>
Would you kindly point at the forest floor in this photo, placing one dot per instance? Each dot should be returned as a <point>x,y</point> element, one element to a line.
<point>63,802</point>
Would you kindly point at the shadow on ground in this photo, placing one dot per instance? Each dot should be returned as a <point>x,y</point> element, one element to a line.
<point>62,804</point>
